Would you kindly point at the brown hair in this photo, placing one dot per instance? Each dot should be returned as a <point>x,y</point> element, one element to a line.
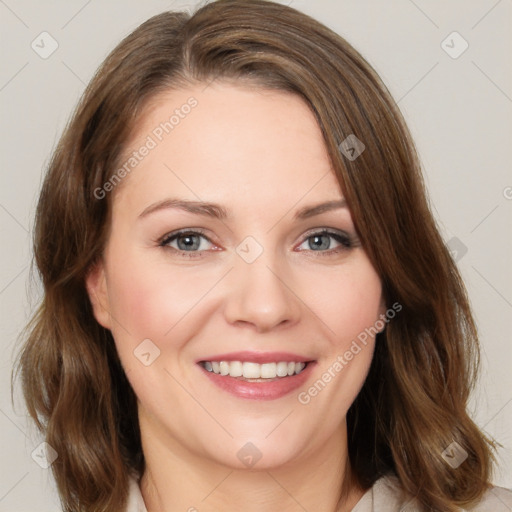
<point>413,403</point>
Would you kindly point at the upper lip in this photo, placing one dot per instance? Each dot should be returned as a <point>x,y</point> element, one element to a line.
<point>257,357</point>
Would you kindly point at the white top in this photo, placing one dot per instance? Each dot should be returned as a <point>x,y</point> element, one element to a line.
<point>384,496</point>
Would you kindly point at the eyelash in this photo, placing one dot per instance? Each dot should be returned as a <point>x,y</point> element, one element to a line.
<point>340,237</point>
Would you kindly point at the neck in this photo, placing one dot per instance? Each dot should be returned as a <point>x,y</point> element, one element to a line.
<point>177,480</point>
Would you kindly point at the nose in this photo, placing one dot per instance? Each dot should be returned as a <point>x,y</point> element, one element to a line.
<point>260,295</point>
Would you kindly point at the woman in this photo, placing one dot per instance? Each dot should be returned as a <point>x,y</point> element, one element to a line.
<point>247,304</point>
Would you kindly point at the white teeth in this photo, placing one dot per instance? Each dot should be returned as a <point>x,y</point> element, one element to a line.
<point>236,369</point>
<point>224,367</point>
<point>282,369</point>
<point>251,370</point>
<point>254,370</point>
<point>269,371</point>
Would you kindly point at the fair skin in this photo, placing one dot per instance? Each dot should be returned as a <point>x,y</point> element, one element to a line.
<point>260,155</point>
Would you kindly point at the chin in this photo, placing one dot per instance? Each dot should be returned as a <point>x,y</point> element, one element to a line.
<point>254,452</point>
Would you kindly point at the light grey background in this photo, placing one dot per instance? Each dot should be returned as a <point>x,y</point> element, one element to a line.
<point>458,109</point>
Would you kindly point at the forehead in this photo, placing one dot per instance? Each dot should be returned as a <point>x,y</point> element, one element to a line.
<point>226,140</point>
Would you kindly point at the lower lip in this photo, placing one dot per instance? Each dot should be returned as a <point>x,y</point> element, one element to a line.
<point>270,390</point>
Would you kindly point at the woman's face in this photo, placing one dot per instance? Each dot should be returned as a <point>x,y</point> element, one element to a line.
<point>261,277</point>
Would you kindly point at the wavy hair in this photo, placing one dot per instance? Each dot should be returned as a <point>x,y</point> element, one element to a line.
<point>414,401</point>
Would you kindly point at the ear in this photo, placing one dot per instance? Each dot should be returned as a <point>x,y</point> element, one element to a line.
<point>96,285</point>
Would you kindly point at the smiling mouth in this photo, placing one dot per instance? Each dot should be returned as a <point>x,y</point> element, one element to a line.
<point>254,372</point>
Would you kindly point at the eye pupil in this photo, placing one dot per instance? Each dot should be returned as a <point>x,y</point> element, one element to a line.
<point>318,242</point>
<point>189,242</point>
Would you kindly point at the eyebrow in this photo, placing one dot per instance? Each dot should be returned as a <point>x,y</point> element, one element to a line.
<point>217,211</point>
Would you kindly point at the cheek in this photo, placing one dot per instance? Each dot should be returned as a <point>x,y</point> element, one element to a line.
<point>349,304</point>
<point>346,300</point>
<point>148,298</point>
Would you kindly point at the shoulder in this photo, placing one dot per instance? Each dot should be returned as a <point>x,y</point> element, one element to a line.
<point>386,495</point>
<point>497,499</point>
<point>135,501</point>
